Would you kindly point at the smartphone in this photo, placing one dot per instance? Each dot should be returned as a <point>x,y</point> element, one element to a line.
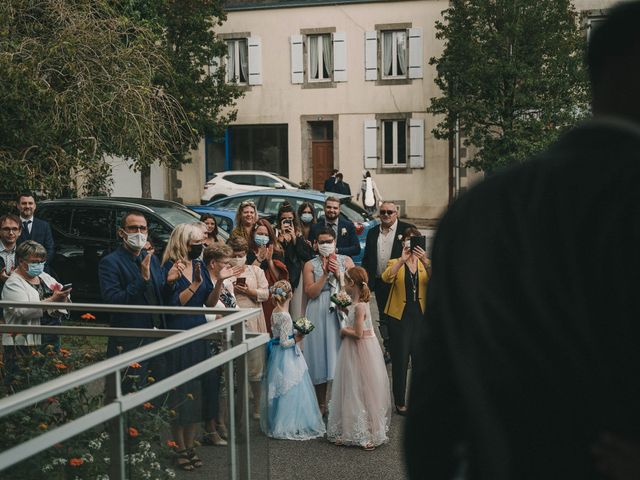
<point>420,241</point>
<point>67,286</point>
<point>287,222</point>
<point>241,281</point>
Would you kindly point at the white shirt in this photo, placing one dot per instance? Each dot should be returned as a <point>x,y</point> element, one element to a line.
<point>385,244</point>
<point>29,225</point>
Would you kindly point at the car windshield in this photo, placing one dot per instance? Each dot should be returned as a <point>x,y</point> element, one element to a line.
<point>287,181</point>
<point>176,216</point>
<point>354,212</point>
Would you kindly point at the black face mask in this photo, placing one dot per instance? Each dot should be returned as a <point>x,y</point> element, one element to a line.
<point>195,251</point>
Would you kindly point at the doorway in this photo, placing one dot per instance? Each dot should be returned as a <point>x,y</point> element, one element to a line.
<point>321,152</point>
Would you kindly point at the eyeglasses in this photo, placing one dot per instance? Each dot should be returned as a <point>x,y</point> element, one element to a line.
<point>247,203</point>
<point>324,242</point>
<point>387,212</point>
<point>136,228</point>
<point>10,229</point>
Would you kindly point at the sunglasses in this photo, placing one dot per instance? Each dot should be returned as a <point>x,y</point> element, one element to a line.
<point>247,203</point>
<point>387,212</point>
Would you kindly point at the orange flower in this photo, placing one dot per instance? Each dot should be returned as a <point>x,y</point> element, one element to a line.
<point>87,316</point>
<point>133,433</point>
<point>151,379</point>
<point>76,462</point>
<point>135,365</point>
<point>172,444</point>
<point>65,352</point>
<point>60,366</point>
<point>148,406</point>
<point>43,426</point>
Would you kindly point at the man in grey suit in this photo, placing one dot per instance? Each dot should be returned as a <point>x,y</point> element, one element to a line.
<point>384,242</point>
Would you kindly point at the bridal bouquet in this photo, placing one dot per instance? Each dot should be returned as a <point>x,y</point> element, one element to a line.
<point>304,325</point>
<point>341,298</point>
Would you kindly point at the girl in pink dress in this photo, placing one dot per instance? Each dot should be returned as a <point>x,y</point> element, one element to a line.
<point>360,406</point>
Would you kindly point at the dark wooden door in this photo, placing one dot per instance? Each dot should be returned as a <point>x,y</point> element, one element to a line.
<point>321,161</point>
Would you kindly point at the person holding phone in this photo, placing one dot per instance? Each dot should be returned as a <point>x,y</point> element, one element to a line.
<point>29,283</point>
<point>251,289</point>
<point>408,277</point>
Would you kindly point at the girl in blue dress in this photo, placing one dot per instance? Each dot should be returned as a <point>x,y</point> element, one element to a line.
<point>193,288</point>
<point>289,407</point>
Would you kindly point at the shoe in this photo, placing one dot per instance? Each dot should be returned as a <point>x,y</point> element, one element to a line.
<point>222,430</point>
<point>195,460</point>
<point>183,460</point>
<point>213,438</point>
<point>369,447</point>
<point>402,411</point>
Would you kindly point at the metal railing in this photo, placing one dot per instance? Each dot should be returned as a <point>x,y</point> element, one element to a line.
<point>239,343</point>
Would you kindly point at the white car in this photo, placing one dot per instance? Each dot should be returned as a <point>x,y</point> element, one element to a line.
<point>223,184</point>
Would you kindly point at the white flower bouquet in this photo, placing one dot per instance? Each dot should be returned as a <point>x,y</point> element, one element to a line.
<point>341,299</point>
<point>304,325</point>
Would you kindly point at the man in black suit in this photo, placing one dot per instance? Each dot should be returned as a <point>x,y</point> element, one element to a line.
<point>330,183</point>
<point>341,186</point>
<point>530,363</point>
<point>34,228</point>
<point>347,242</point>
<point>384,242</point>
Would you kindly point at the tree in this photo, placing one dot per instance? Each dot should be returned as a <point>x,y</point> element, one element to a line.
<point>186,32</point>
<point>77,84</point>
<point>511,75</point>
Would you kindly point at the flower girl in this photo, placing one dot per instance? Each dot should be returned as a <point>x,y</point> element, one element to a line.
<point>360,406</point>
<point>289,405</point>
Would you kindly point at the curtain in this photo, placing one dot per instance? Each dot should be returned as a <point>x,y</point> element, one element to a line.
<point>387,38</point>
<point>313,56</point>
<point>327,55</point>
<point>244,64</point>
<point>231,60</point>
<point>402,53</point>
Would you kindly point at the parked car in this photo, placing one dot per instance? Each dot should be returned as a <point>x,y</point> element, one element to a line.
<point>84,231</point>
<point>223,184</point>
<point>268,203</point>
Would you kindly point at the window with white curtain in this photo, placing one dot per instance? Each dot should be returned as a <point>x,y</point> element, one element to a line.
<point>237,61</point>
<point>394,53</point>
<point>320,57</point>
<point>394,143</point>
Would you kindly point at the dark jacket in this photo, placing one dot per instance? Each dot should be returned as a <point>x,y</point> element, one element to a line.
<point>329,184</point>
<point>41,233</point>
<point>342,187</point>
<point>370,257</point>
<point>347,242</point>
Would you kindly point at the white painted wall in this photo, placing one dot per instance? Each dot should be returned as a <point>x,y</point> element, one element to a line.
<point>126,182</point>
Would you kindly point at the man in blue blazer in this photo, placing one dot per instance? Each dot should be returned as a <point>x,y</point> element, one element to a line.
<point>34,228</point>
<point>347,242</point>
<point>131,276</point>
<point>330,183</point>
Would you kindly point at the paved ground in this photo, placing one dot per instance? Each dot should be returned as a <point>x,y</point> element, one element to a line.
<point>310,460</point>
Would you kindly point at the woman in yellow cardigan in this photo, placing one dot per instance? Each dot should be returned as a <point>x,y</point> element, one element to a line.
<point>408,276</point>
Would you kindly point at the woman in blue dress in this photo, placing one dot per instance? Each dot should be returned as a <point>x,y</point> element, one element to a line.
<point>321,279</point>
<point>289,406</point>
<point>193,288</point>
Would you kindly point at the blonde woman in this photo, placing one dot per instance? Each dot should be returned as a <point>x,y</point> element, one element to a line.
<point>193,288</point>
<point>246,218</point>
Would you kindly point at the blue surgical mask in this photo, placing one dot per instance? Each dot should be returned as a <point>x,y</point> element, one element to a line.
<point>306,217</point>
<point>35,269</point>
<point>261,240</point>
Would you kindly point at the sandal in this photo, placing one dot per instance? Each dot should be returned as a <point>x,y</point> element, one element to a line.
<point>186,464</point>
<point>195,460</point>
<point>213,438</point>
<point>369,447</point>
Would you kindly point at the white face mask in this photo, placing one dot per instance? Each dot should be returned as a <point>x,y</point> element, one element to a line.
<point>238,262</point>
<point>136,240</point>
<point>326,249</point>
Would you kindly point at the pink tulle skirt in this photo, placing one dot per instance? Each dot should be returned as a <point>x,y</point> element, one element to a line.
<point>360,406</point>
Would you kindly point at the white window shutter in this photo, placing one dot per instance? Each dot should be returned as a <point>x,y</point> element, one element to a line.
<point>416,143</point>
<point>339,56</point>
<point>254,45</point>
<point>370,144</point>
<point>415,53</point>
<point>297,68</point>
<point>371,55</point>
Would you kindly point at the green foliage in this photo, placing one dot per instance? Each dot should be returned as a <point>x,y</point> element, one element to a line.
<point>511,74</point>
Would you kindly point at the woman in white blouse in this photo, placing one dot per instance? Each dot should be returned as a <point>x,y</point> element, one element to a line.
<point>29,283</point>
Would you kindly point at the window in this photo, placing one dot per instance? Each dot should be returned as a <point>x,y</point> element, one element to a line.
<point>263,181</point>
<point>241,179</point>
<point>92,223</point>
<point>237,61</point>
<point>394,142</point>
<point>394,53</point>
<point>320,57</point>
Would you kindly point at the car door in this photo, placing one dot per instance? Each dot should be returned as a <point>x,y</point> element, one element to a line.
<point>90,239</point>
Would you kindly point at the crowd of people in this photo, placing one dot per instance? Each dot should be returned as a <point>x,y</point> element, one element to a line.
<point>290,270</point>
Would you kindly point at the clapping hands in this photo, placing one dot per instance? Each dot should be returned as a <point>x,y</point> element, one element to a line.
<point>175,271</point>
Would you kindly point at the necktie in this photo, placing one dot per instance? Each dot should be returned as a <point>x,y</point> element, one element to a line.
<point>25,227</point>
